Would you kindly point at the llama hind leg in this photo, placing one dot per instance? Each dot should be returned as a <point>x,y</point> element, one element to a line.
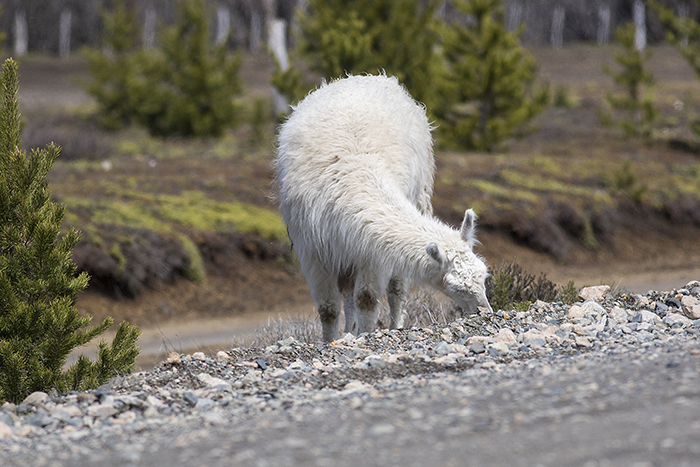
<point>396,293</point>
<point>327,296</point>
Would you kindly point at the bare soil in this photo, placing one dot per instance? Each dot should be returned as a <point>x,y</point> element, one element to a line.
<point>233,300</point>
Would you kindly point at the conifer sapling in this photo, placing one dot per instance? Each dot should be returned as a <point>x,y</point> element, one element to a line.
<point>39,322</point>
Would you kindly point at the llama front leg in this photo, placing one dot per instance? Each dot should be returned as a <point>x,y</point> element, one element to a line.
<point>350,311</point>
<point>327,296</point>
<point>366,301</point>
<point>396,293</point>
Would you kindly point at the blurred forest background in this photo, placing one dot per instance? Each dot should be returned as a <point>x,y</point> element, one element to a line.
<point>43,23</point>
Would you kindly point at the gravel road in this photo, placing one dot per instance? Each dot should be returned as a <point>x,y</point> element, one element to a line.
<point>609,381</point>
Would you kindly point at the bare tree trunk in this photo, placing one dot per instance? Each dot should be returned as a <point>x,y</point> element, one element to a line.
<point>21,33</point>
<point>684,12</point>
<point>640,36</point>
<point>513,15</point>
<point>223,24</point>
<point>64,33</point>
<point>603,36</point>
<point>255,31</point>
<point>149,28</point>
<point>276,44</point>
<point>558,18</point>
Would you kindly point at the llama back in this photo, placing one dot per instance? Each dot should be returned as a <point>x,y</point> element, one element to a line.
<point>349,148</point>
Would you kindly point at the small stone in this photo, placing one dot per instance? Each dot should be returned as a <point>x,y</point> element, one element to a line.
<point>591,307</point>
<point>499,349</point>
<point>691,306</point>
<point>213,382</point>
<point>443,348</point>
<point>5,431</point>
<point>382,429</point>
<point>174,357</point>
<point>646,316</point>
<point>261,363</point>
<point>575,312</point>
<point>583,341</point>
<point>204,404</point>
<point>618,315</point>
<point>221,355</point>
<point>102,411</point>
<point>199,356</point>
<point>507,336</point>
<point>190,399</point>
<point>675,318</point>
<point>36,398</point>
<point>597,292</point>
<point>473,339</point>
<point>478,347</point>
<point>530,335</point>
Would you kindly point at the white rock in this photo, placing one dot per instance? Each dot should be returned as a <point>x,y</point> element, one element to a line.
<point>5,431</point>
<point>597,292</point>
<point>593,308</point>
<point>583,341</point>
<point>443,348</point>
<point>691,306</point>
<point>36,398</point>
<point>221,355</point>
<point>501,347</point>
<point>530,335</point>
<point>213,382</point>
<point>649,317</point>
<point>102,411</point>
<point>673,318</point>
<point>507,336</point>
<point>575,312</point>
<point>618,315</point>
<point>483,339</point>
<point>199,356</point>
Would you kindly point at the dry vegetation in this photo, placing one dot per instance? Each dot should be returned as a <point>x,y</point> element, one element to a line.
<point>157,212</point>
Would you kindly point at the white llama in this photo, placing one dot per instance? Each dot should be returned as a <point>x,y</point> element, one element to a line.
<point>355,172</point>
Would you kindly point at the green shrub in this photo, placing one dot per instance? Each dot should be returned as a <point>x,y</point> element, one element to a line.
<point>185,87</point>
<point>634,111</point>
<point>112,66</point>
<point>492,91</point>
<point>511,288</point>
<point>39,322</point>
<point>399,37</point>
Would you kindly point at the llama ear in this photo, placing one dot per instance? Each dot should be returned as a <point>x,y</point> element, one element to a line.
<point>434,252</point>
<point>468,229</point>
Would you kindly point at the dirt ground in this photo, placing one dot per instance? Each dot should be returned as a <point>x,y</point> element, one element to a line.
<point>232,302</point>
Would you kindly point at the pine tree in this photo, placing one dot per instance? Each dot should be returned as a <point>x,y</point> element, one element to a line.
<point>188,87</point>
<point>399,37</point>
<point>684,34</point>
<point>39,322</point>
<point>112,66</point>
<point>636,103</point>
<point>492,76</point>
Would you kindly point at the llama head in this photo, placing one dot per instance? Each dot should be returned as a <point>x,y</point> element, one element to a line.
<point>462,272</point>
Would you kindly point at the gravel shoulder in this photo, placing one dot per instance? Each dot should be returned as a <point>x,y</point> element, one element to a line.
<point>612,380</point>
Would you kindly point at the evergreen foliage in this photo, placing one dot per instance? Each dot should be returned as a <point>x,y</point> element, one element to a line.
<point>636,104</point>
<point>185,87</point>
<point>399,37</point>
<point>511,287</point>
<point>188,86</point>
<point>39,322</point>
<point>491,80</point>
<point>112,66</point>
<point>684,34</point>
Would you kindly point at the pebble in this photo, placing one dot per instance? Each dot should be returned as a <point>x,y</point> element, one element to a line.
<point>360,372</point>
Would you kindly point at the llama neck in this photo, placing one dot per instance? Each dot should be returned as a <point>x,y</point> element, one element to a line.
<point>401,233</point>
